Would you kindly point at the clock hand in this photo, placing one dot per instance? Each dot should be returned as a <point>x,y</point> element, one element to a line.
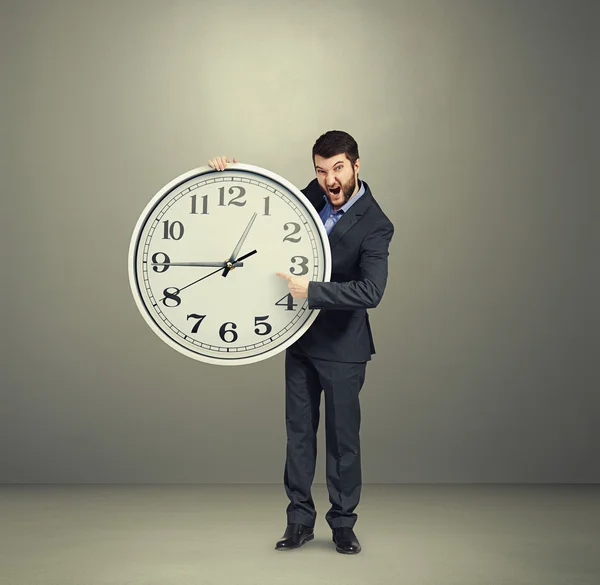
<point>206,264</point>
<point>236,250</point>
<point>195,281</point>
<point>213,272</point>
<point>227,264</point>
<point>239,262</point>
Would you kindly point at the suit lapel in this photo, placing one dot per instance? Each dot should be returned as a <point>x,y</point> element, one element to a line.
<point>351,217</point>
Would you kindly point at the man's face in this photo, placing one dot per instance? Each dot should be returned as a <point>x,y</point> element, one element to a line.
<point>338,178</point>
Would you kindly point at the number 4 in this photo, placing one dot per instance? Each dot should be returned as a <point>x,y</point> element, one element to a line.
<point>289,304</point>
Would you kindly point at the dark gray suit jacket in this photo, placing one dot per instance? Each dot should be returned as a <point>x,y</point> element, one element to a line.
<point>359,251</point>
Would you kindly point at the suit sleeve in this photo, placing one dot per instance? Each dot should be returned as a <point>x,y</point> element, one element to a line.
<point>367,291</point>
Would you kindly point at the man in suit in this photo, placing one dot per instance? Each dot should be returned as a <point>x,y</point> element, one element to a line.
<point>332,355</point>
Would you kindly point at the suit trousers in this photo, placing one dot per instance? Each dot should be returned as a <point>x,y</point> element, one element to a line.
<point>305,377</point>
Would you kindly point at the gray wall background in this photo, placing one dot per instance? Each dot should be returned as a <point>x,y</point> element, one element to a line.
<point>477,123</point>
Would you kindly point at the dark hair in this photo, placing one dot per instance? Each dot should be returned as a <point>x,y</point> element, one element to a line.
<point>336,142</point>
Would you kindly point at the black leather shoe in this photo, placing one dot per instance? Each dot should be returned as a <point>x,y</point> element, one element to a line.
<point>295,535</point>
<point>346,541</point>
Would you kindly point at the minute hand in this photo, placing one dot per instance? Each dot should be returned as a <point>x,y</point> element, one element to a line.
<point>208,264</point>
<point>230,265</point>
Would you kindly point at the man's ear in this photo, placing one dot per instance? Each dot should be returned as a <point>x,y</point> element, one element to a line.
<point>357,164</point>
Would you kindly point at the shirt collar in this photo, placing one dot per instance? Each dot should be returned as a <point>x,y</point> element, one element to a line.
<point>350,201</point>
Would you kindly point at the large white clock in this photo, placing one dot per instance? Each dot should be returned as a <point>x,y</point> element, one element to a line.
<point>203,260</point>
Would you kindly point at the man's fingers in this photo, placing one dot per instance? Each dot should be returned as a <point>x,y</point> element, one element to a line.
<point>284,275</point>
<point>216,163</point>
<point>220,162</point>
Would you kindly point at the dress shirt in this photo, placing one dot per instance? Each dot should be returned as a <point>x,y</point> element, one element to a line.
<point>330,217</point>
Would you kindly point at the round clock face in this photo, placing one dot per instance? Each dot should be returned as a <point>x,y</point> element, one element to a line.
<point>204,256</point>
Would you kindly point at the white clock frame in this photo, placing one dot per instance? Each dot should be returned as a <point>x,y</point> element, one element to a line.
<point>133,260</point>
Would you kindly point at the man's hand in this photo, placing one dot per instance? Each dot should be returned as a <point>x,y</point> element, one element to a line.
<point>220,162</point>
<point>298,285</point>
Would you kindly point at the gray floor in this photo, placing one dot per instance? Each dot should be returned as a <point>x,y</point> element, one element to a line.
<point>225,534</point>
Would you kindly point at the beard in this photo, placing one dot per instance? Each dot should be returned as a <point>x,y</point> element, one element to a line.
<point>346,188</point>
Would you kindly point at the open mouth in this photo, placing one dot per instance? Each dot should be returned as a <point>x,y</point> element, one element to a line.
<point>335,191</point>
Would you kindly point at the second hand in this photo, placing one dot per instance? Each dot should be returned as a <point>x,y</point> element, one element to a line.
<point>211,273</point>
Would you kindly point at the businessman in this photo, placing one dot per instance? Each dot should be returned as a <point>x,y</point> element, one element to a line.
<point>332,355</point>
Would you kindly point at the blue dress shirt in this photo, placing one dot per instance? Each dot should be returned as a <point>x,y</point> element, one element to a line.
<point>330,217</point>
